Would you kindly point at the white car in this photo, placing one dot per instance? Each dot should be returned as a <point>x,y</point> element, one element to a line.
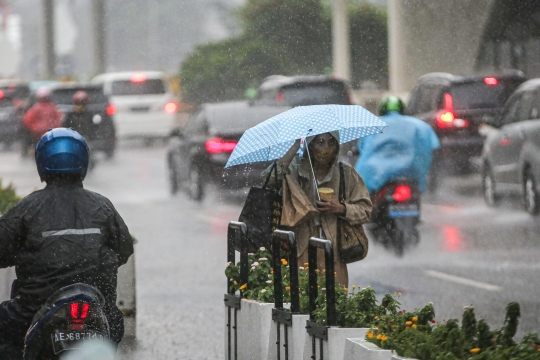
<point>145,104</point>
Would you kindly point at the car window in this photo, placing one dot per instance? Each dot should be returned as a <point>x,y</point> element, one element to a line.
<point>197,124</point>
<point>331,92</point>
<point>479,95</point>
<point>146,87</point>
<point>535,105</point>
<point>426,98</point>
<point>65,96</point>
<point>509,113</point>
<point>524,109</point>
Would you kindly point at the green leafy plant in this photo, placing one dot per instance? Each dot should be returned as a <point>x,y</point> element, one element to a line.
<point>8,197</point>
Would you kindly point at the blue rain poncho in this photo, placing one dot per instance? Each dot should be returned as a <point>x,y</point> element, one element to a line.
<point>404,149</point>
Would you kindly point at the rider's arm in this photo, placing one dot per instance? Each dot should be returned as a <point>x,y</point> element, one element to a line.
<point>11,234</point>
<point>358,204</point>
<point>121,241</point>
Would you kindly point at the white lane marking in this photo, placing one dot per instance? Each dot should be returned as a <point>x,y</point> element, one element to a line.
<point>462,280</point>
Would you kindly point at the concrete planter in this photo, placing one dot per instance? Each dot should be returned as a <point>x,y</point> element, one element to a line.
<point>397,357</point>
<point>334,347</point>
<point>360,349</point>
<point>254,320</point>
<point>296,338</point>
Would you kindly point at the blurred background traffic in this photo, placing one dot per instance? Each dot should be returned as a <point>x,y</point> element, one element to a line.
<point>172,85</point>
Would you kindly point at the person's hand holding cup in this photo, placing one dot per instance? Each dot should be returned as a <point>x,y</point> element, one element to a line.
<point>328,204</point>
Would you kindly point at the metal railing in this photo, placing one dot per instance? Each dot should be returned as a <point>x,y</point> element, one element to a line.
<point>236,233</point>
<point>318,331</point>
<point>284,240</point>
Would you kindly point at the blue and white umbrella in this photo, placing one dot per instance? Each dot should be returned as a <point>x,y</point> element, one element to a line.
<point>272,138</point>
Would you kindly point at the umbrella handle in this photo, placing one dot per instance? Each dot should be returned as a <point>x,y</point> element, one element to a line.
<point>314,178</point>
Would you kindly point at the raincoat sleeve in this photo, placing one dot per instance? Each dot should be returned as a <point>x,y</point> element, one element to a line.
<point>121,241</point>
<point>12,231</point>
<point>358,203</point>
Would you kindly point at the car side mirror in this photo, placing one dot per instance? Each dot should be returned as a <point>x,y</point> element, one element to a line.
<point>176,132</point>
<point>491,120</point>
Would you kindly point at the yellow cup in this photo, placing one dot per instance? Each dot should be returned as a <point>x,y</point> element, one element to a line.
<point>326,193</point>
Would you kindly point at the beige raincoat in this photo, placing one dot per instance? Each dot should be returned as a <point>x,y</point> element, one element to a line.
<point>298,179</point>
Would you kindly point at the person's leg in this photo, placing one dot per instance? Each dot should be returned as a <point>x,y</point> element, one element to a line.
<point>13,328</point>
<point>116,323</point>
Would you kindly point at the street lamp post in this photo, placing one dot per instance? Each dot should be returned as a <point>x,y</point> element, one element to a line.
<point>48,55</point>
<point>98,23</point>
<point>341,44</point>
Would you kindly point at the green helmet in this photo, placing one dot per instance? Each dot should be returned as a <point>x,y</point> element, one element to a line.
<point>391,103</point>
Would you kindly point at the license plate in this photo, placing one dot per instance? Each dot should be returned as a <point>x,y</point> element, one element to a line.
<point>140,108</point>
<point>67,340</point>
<point>411,210</point>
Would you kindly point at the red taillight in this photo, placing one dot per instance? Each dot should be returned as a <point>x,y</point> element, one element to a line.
<point>138,78</point>
<point>74,311</point>
<point>446,119</point>
<point>170,107</point>
<point>491,81</point>
<point>111,109</point>
<point>84,312</point>
<point>402,193</point>
<point>1,94</point>
<point>279,97</point>
<point>218,145</point>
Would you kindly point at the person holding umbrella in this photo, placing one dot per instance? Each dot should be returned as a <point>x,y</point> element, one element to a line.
<point>306,181</point>
<point>322,197</point>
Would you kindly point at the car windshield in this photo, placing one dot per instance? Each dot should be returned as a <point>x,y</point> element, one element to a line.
<point>147,87</point>
<point>6,102</point>
<point>316,94</point>
<point>16,91</point>
<point>478,95</point>
<point>226,120</point>
<point>65,96</point>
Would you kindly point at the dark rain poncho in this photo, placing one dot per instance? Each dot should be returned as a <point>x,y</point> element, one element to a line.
<point>62,235</point>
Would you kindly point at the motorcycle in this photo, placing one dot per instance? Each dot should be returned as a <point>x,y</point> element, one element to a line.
<point>70,316</point>
<point>396,214</point>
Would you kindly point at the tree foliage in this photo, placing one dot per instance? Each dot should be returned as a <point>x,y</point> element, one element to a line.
<point>287,37</point>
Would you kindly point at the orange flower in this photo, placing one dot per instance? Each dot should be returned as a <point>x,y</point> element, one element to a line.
<point>474,350</point>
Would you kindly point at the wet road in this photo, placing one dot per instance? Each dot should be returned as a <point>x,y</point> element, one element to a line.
<point>468,254</point>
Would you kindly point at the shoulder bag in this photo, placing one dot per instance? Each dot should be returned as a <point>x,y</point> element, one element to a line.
<point>352,240</point>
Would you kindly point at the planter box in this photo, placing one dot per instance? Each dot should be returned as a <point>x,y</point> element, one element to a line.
<point>360,349</point>
<point>397,357</point>
<point>254,320</point>
<point>296,338</point>
<point>334,347</point>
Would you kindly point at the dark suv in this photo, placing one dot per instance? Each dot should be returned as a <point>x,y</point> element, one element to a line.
<point>104,131</point>
<point>455,107</point>
<point>303,90</point>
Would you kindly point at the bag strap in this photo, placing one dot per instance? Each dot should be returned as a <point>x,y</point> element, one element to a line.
<point>341,182</point>
<point>274,169</point>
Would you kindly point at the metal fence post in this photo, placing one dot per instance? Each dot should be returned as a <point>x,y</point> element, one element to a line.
<point>317,330</point>
<point>232,301</point>
<point>284,240</point>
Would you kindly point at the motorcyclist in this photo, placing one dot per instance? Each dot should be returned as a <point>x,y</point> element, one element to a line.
<point>43,116</point>
<point>57,236</point>
<point>80,120</point>
<point>404,149</point>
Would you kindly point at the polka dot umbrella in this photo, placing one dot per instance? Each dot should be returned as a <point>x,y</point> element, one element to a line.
<point>271,139</point>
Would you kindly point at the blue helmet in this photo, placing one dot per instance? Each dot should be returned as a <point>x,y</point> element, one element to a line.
<point>61,151</point>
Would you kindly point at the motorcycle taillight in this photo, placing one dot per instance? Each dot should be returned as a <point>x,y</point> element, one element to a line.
<point>402,193</point>
<point>79,313</point>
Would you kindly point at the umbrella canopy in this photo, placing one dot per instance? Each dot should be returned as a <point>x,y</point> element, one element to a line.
<point>272,138</point>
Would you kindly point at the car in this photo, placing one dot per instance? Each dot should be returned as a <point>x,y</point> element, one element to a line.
<point>303,90</point>
<point>14,97</point>
<point>145,104</point>
<point>104,129</point>
<point>197,155</point>
<point>455,107</point>
<point>11,116</point>
<point>511,154</point>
